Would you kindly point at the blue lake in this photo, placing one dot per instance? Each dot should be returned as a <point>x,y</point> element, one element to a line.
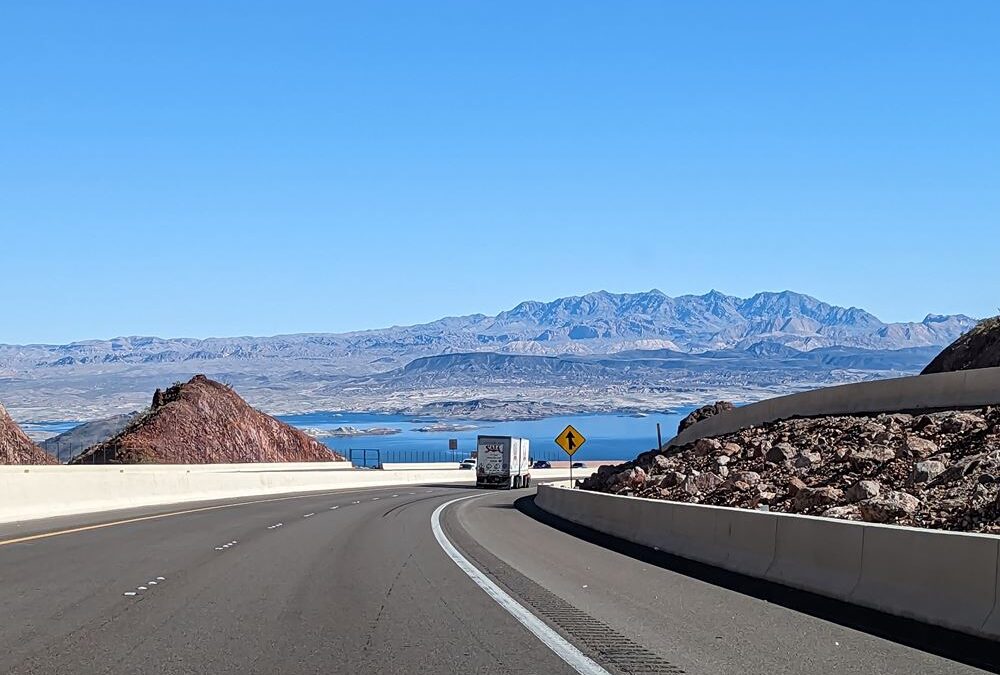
<point>608,436</point>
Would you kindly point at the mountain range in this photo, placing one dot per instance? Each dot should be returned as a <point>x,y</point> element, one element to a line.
<point>630,341</point>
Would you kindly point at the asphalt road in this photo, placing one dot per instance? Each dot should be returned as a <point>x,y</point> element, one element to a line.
<point>355,582</point>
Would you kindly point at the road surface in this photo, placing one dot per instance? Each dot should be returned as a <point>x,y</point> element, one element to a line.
<point>356,582</point>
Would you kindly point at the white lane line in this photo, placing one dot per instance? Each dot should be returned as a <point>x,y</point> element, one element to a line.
<point>128,593</point>
<point>141,588</point>
<point>161,578</point>
<point>355,502</point>
<point>573,657</point>
<point>309,515</point>
<point>395,495</point>
<point>375,499</point>
<point>334,508</point>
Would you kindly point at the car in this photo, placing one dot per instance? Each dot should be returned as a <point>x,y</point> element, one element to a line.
<point>469,463</point>
<point>541,464</point>
<point>578,465</point>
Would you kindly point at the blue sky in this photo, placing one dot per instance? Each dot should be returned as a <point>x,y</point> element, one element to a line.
<point>193,168</point>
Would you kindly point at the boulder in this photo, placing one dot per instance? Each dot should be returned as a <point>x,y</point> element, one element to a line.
<point>672,479</point>
<point>894,507</point>
<point>862,490</point>
<point>702,483</point>
<point>706,446</point>
<point>630,479</point>
<point>809,498</point>
<point>920,447</point>
<point>751,478</point>
<point>795,485</point>
<point>661,464</point>
<point>848,512</point>
<point>927,470</point>
<point>780,453</point>
<point>731,449</point>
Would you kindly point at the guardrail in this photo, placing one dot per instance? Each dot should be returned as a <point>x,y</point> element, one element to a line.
<point>937,391</point>
<point>948,579</point>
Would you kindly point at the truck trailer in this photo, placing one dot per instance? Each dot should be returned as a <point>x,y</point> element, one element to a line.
<point>503,462</point>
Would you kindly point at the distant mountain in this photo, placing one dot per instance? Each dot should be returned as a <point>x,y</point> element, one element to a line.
<point>652,366</point>
<point>635,345</point>
<point>596,323</point>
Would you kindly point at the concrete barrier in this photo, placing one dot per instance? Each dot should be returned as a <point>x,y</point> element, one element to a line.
<point>948,575</point>
<point>962,389</point>
<point>31,492</point>
<point>947,579</point>
<point>822,555</point>
<point>419,466</point>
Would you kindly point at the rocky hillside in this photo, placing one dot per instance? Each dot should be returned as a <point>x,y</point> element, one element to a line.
<point>979,348</point>
<point>940,470</point>
<point>16,447</point>
<point>205,422</point>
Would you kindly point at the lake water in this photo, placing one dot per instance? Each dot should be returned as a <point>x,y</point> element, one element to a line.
<point>608,436</point>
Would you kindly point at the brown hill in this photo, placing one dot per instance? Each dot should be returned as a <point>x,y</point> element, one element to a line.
<point>205,422</point>
<point>979,348</point>
<point>16,447</point>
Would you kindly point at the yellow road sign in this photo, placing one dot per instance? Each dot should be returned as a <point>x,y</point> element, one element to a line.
<point>570,440</point>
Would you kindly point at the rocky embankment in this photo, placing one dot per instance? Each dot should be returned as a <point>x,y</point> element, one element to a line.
<point>205,422</point>
<point>16,447</point>
<point>938,470</point>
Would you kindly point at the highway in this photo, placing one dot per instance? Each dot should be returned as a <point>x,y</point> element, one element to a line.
<point>355,581</point>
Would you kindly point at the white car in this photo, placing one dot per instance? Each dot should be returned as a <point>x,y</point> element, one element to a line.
<point>469,463</point>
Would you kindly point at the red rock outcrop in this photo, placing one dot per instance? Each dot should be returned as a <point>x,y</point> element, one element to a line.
<point>16,447</point>
<point>205,422</point>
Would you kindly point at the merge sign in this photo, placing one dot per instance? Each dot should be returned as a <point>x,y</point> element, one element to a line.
<point>570,440</point>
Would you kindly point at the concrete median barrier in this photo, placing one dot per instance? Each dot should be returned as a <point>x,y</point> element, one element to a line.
<point>948,575</point>
<point>750,537</point>
<point>822,555</point>
<point>947,579</point>
<point>31,492</point>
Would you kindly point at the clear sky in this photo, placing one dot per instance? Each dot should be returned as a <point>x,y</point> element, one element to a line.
<point>213,168</point>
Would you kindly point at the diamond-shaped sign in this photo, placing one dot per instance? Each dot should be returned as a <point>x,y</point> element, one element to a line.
<point>570,440</point>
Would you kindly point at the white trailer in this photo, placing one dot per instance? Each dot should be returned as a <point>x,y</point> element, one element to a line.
<point>503,462</point>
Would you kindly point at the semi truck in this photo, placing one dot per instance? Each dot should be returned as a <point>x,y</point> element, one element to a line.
<point>503,462</point>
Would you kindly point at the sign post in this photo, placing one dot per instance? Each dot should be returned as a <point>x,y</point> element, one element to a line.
<point>570,441</point>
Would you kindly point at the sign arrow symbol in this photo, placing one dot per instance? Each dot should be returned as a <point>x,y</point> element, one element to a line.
<point>570,440</point>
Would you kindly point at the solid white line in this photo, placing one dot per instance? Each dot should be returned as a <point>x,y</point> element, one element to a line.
<point>576,659</point>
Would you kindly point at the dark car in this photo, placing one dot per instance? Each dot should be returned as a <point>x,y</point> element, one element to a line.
<point>541,464</point>
<point>578,465</point>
